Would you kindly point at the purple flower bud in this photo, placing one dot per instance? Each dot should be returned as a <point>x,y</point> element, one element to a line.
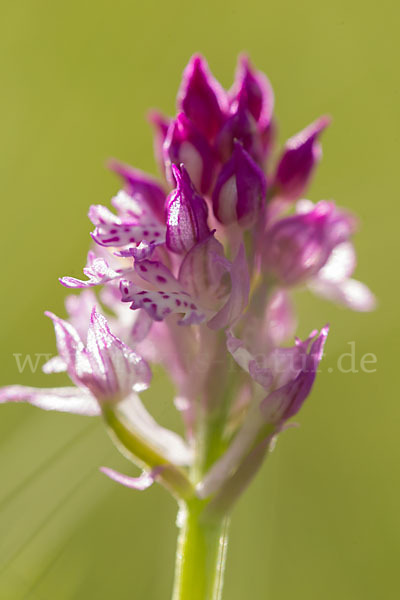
<point>241,126</point>
<point>186,214</point>
<point>185,144</point>
<point>252,91</point>
<point>202,98</point>
<point>239,193</point>
<point>300,155</point>
<point>297,247</point>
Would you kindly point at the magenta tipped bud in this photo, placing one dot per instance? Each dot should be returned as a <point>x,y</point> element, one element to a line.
<point>202,98</point>
<point>252,91</point>
<point>301,154</point>
<point>242,127</point>
<point>240,191</point>
<point>185,144</point>
<point>186,214</point>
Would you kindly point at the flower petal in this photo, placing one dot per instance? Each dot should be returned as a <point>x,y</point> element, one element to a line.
<point>141,483</point>
<point>71,349</point>
<point>274,369</point>
<point>98,272</point>
<point>142,185</point>
<point>130,327</point>
<point>286,401</point>
<point>116,369</point>
<point>113,231</point>
<point>159,304</point>
<point>262,375</point>
<point>239,294</point>
<point>297,247</point>
<point>68,399</point>
<point>79,308</point>
<point>340,264</point>
<point>142,251</point>
<point>201,274</point>
<point>350,293</point>
<point>165,297</point>
<point>158,275</point>
<point>55,365</point>
<point>280,318</point>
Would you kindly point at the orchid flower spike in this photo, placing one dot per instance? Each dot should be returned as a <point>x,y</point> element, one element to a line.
<point>196,274</point>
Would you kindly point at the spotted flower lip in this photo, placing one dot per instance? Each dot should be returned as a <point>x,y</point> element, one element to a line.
<point>116,231</point>
<point>163,294</point>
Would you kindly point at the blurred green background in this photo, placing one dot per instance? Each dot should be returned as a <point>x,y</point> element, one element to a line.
<point>322,519</point>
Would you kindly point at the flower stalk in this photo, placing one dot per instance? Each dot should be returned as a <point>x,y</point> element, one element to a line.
<point>203,534</point>
<point>201,554</point>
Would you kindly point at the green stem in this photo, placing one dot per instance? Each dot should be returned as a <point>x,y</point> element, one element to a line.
<point>200,558</point>
<point>203,538</point>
